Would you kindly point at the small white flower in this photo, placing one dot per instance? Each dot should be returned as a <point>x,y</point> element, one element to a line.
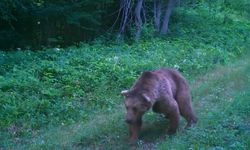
<point>116,58</point>
<point>176,66</point>
<point>42,142</point>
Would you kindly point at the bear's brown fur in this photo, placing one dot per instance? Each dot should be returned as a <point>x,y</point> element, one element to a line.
<point>166,91</point>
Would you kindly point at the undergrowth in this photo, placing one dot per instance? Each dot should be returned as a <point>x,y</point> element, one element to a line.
<point>58,87</point>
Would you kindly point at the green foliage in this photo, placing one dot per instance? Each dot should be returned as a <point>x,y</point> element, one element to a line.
<point>62,87</point>
<point>220,100</point>
<point>222,106</point>
<point>51,83</point>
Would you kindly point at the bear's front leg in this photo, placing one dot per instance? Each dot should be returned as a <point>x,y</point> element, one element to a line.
<point>134,130</point>
<point>174,117</point>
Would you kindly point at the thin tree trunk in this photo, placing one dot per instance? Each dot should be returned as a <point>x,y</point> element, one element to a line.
<point>157,14</point>
<point>144,13</point>
<point>126,7</point>
<point>138,20</point>
<point>178,3</point>
<point>169,9</point>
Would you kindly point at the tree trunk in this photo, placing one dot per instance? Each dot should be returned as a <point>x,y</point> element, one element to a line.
<point>169,9</point>
<point>138,20</point>
<point>178,3</point>
<point>157,14</point>
<point>144,13</point>
<point>125,5</point>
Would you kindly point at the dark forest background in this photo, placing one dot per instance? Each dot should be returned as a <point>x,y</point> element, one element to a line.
<point>50,23</point>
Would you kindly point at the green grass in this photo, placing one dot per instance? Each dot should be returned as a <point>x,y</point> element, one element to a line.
<point>221,100</point>
<point>70,98</point>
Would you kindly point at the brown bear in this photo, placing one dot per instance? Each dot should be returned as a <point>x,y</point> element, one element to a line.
<point>165,91</point>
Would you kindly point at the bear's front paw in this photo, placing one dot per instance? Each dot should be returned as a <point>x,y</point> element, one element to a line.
<point>132,140</point>
<point>171,131</point>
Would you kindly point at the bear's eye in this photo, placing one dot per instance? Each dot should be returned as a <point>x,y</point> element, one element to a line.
<point>134,109</point>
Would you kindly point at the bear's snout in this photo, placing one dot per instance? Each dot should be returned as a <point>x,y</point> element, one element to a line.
<point>129,121</point>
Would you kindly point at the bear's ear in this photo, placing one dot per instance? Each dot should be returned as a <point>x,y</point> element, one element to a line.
<point>146,97</point>
<point>125,93</point>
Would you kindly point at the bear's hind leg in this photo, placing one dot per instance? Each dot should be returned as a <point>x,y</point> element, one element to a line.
<point>186,110</point>
<point>174,117</point>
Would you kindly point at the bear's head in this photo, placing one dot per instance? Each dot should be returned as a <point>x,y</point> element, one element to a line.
<point>136,105</point>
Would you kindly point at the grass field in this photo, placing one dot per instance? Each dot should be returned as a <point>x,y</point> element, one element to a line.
<point>69,98</point>
<point>221,99</point>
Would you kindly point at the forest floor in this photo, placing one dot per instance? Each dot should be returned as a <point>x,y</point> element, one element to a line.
<point>221,99</point>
